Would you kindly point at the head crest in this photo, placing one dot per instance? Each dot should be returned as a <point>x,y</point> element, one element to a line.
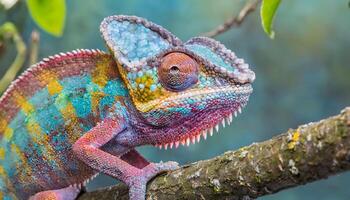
<point>133,40</point>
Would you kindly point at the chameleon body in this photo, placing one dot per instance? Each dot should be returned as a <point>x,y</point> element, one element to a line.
<point>80,113</point>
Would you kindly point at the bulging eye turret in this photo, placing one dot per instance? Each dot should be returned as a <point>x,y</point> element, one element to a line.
<point>178,71</point>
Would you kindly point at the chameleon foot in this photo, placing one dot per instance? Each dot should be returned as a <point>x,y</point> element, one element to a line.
<point>138,184</point>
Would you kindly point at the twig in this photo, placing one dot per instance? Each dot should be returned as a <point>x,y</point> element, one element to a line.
<point>34,47</point>
<point>7,31</point>
<point>234,21</point>
<point>309,153</point>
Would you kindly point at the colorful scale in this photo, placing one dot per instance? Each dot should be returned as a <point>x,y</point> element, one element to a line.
<point>36,140</point>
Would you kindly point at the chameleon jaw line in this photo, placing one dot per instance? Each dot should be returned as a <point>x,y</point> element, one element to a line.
<point>193,138</point>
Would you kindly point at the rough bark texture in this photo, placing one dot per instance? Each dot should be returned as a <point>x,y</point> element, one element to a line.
<point>311,152</point>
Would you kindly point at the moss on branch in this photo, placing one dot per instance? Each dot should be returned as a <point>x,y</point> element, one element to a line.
<point>309,153</point>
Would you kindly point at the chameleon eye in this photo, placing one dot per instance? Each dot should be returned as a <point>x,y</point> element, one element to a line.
<point>178,71</point>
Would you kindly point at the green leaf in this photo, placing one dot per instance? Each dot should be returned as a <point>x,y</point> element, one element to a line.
<point>267,13</point>
<point>48,15</point>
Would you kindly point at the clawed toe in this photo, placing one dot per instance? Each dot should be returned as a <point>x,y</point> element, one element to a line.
<point>138,184</point>
<point>155,168</point>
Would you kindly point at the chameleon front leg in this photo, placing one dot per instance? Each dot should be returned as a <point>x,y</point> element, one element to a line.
<point>88,149</point>
<point>150,170</point>
<point>135,159</point>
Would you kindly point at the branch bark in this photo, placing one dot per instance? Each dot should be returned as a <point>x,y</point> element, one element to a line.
<point>34,47</point>
<point>309,153</point>
<point>234,21</point>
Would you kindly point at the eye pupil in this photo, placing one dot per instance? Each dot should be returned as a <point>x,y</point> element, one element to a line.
<point>174,69</point>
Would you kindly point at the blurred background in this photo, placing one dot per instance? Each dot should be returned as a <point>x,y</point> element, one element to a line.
<point>303,75</point>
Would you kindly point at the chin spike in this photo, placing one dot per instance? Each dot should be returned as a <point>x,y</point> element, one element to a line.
<point>230,117</point>
<point>198,137</point>
<point>160,146</point>
<point>171,145</point>
<point>217,127</point>
<point>211,131</point>
<point>183,142</point>
<point>166,146</point>
<point>235,113</point>
<point>193,139</point>
<point>204,133</point>
<point>223,122</point>
<point>177,143</point>
<point>228,121</point>
<point>188,141</point>
<point>239,109</point>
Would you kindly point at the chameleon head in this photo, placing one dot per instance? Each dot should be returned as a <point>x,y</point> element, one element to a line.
<point>179,90</point>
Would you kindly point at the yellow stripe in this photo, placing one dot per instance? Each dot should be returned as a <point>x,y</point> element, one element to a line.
<point>23,103</point>
<point>6,179</point>
<point>100,74</point>
<point>54,87</point>
<point>25,172</point>
<point>17,150</point>
<point>37,135</point>
<point>23,159</point>
<point>35,130</point>
<point>8,133</point>
<point>50,79</point>
<point>22,165</point>
<point>68,112</point>
<point>41,139</point>
<point>2,153</point>
<point>71,122</point>
<point>2,172</point>
<point>95,100</point>
<point>3,124</point>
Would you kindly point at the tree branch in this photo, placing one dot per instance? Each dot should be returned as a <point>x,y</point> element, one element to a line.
<point>9,31</point>
<point>234,21</point>
<point>309,153</point>
<point>34,47</point>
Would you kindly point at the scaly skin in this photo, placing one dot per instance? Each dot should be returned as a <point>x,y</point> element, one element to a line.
<point>76,114</point>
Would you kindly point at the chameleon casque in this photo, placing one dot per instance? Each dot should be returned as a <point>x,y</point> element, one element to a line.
<point>80,113</point>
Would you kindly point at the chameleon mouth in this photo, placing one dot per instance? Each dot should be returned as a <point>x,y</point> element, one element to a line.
<point>224,118</point>
<point>78,186</point>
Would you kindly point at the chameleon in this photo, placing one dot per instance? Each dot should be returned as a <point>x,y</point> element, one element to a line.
<point>77,114</point>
